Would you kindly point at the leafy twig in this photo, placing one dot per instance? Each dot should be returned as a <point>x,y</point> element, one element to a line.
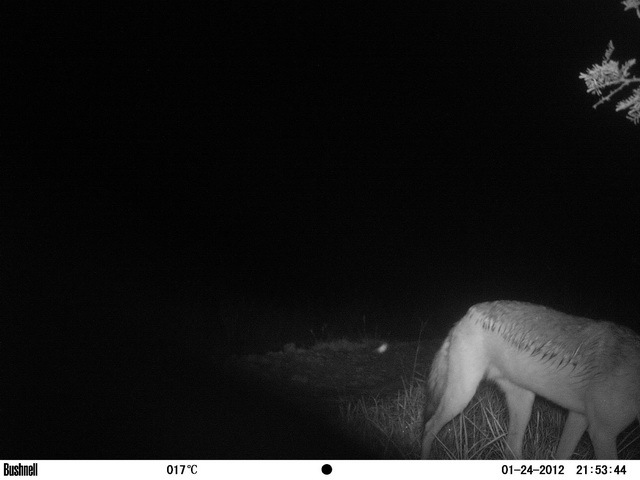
<point>610,75</point>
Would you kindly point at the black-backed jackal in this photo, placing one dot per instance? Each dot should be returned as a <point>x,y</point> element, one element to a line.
<point>590,368</point>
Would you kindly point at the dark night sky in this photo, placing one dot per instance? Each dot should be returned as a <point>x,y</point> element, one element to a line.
<point>312,163</point>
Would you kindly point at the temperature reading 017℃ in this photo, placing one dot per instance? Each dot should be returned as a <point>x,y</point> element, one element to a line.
<point>182,469</point>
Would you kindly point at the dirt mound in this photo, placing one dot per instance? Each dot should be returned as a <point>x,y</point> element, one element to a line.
<point>333,371</point>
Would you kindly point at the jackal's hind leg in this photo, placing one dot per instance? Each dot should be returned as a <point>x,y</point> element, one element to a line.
<point>574,427</point>
<point>604,444</point>
<point>455,399</point>
<point>463,380</point>
<point>519,402</point>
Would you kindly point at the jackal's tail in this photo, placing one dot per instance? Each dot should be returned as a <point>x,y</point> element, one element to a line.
<point>437,381</point>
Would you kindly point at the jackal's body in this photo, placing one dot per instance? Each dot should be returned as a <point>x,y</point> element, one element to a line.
<point>590,368</point>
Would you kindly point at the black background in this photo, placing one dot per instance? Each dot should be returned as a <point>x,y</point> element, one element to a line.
<point>183,183</point>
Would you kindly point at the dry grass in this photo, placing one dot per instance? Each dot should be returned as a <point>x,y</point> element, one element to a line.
<point>392,427</point>
<point>388,426</point>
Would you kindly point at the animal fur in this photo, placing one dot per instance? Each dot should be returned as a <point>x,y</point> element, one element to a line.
<point>590,368</point>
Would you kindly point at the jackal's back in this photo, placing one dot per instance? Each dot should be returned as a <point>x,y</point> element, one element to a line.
<point>577,346</point>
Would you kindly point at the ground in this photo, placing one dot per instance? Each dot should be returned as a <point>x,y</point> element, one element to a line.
<point>314,382</point>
